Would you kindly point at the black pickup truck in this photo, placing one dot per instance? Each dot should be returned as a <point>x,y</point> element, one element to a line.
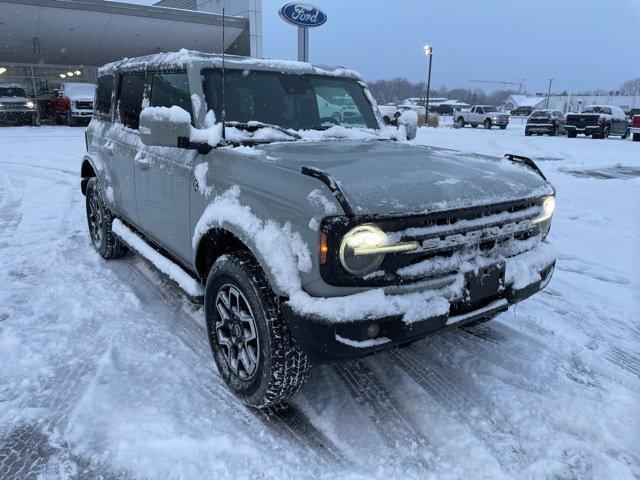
<point>599,121</point>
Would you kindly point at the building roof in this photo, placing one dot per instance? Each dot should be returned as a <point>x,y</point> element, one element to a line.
<point>95,32</point>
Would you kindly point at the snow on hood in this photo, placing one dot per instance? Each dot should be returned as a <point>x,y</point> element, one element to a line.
<point>397,178</point>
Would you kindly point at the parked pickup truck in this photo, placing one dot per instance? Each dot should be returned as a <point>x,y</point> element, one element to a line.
<point>481,115</point>
<point>599,121</point>
<point>15,106</point>
<point>73,103</point>
<point>634,130</point>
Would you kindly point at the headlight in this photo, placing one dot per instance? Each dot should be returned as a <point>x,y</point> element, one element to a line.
<point>495,117</point>
<point>548,206</point>
<point>363,249</point>
<point>30,104</point>
<point>359,240</point>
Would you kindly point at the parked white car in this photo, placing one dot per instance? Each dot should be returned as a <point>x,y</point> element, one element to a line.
<point>485,115</point>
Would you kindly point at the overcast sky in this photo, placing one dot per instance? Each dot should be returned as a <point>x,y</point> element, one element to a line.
<point>582,44</point>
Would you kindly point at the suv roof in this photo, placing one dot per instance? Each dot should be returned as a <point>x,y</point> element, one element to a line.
<point>183,58</point>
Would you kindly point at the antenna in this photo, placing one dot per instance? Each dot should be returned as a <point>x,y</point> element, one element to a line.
<point>224,103</point>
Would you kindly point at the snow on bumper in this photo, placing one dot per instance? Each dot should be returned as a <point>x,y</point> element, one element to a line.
<point>341,328</point>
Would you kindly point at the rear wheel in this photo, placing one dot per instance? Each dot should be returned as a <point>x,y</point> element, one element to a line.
<point>251,344</point>
<point>487,124</point>
<point>461,123</point>
<point>100,219</point>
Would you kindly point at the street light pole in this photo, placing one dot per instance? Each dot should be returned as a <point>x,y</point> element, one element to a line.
<point>549,92</point>
<point>428,51</point>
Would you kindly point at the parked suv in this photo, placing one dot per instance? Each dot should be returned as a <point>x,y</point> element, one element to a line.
<point>16,106</point>
<point>72,103</point>
<point>599,121</point>
<point>540,122</point>
<point>309,241</point>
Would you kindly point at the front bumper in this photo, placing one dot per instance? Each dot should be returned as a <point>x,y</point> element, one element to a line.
<point>14,116</point>
<point>324,340</point>
<point>589,130</point>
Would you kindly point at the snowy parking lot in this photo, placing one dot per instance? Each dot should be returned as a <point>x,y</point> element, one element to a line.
<point>105,369</point>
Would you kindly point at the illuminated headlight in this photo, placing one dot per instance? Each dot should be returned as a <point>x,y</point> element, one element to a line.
<point>544,220</point>
<point>363,249</point>
<point>357,241</point>
<point>495,117</point>
<point>30,104</point>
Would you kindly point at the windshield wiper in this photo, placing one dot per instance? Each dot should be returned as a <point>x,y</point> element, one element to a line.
<point>253,125</point>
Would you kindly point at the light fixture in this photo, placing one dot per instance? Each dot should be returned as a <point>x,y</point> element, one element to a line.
<point>78,72</point>
<point>2,70</point>
<point>548,206</point>
<point>69,74</point>
<point>428,49</point>
<point>62,75</point>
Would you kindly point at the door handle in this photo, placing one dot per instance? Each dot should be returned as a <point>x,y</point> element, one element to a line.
<point>143,163</point>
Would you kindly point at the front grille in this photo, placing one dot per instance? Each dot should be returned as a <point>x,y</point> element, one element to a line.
<point>14,106</point>
<point>84,105</point>
<point>445,238</point>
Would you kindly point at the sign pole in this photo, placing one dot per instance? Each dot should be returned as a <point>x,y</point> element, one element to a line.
<point>303,44</point>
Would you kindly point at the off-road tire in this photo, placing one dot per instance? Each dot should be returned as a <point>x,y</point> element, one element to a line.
<point>110,246</point>
<point>282,367</point>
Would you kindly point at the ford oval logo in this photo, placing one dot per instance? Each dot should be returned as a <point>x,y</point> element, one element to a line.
<point>302,15</point>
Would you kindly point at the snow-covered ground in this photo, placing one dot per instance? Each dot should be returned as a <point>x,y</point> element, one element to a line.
<point>105,371</point>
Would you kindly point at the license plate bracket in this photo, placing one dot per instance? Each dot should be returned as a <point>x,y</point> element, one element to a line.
<point>485,282</point>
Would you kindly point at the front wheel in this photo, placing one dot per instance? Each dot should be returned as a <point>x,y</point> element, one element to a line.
<point>256,356</point>
<point>503,127</point>
<point>100,219</point>
<point>487,124</point>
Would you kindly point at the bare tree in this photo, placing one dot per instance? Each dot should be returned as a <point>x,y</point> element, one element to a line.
<point>631,87</point>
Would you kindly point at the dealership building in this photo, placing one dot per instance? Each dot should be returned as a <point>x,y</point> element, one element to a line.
<point>47,42</point>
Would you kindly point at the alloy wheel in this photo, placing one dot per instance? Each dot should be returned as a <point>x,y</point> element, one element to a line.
<point>236,332</point>
<point>95,220</point>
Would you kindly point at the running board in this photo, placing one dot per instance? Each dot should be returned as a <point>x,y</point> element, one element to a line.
<point>186,282</point>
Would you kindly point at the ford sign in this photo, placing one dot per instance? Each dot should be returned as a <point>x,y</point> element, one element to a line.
<point>302,15</point>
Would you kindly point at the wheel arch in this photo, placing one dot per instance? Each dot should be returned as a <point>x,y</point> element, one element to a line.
<point>91,167</point>
<point>219,241</point>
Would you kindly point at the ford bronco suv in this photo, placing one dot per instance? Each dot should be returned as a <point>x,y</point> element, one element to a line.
<point>307,239</point>
<point>15,106</point>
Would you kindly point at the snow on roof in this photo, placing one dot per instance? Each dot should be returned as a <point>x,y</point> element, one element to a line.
<point>525,100</point>
<point>185,57</point>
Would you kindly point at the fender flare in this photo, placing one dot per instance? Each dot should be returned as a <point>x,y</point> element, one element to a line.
<point>97,165</point>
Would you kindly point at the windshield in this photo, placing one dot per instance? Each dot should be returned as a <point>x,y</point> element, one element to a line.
<point>292,101</point>
<point>12,92</point>
<point>80,89</point>
<point>540,113</point>
<point>490,109</point>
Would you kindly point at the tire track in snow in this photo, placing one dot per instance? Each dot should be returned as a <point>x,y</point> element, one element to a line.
<point>469,406</point>
<point>625,360</point>
<point>386,415</point>
<point>287,423</point>
<point>10,202</point>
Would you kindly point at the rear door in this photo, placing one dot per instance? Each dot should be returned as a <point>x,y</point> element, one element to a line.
<point>164,174</point>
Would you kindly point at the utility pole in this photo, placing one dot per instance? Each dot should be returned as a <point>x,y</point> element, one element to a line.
<point>549,92</point>
<point>428,51</point>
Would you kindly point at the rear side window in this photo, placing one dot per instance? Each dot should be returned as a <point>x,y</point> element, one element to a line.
<point>169,89</point>
<point>130,98</point>
<point>103,94</point>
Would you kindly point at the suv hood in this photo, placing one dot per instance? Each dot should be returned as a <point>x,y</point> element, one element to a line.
<point>386,177</point>
<point>14,99</point>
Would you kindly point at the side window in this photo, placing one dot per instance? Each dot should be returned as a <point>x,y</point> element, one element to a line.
<point>169,89</point>
<point>479,110</point>
<point>104,89</point>
<point>606,111</point>
<point>130,98</point>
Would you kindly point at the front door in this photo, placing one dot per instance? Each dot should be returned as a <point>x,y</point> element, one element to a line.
<point>164,176</point>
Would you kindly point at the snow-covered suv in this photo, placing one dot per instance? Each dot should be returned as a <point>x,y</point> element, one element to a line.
<point>308,240</point>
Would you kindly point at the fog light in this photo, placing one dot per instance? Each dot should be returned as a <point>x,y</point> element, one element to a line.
<point>373,330</point>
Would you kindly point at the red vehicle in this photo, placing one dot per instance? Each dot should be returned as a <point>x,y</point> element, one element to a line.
<point>73,103</point>
<point>634,129</point>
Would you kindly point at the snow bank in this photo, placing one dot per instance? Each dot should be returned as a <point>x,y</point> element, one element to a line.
<point>166,266</point>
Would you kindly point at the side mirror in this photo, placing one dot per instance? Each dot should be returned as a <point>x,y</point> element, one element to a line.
<point>165,127</point>
<point>409,120</point>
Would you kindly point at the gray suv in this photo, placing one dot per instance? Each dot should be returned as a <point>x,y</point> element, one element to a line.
<point>309,240</point>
